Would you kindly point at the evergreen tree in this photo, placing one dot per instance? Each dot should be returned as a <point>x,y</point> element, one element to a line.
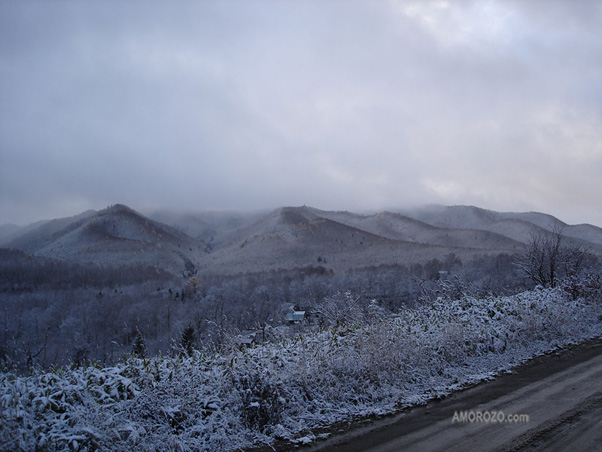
<point>139,346</point>
<point>188,339</point>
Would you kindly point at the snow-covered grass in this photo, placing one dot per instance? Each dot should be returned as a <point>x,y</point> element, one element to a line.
<point>287,390</point>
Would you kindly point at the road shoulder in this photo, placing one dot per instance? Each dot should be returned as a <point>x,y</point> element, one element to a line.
<point>365,434</point>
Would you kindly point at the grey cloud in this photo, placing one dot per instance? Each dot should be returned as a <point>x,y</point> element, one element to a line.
<point>258,104</point>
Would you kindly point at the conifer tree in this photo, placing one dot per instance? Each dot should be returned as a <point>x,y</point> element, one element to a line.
<point>188,339</point>
<point>139,346</point>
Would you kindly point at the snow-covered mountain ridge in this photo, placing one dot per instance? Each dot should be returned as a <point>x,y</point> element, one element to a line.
<point>115,235</point>
<point>289,237</point>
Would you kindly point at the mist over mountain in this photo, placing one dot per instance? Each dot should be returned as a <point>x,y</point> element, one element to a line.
<point>519,226</point>
<point>288,237</point>
<point>208,226</point>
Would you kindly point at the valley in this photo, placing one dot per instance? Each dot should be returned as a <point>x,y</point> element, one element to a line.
<point>141,303</point>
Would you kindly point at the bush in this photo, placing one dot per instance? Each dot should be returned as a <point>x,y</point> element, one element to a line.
<point>262,401</point>
<point>240,398</point>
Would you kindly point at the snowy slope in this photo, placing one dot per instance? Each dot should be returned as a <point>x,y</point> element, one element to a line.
<point>291,237</point>
<point>399,227</point>
<point>519,226</point>
<point>208,226</point>
<point>116,235</point>
<point>300,236</point>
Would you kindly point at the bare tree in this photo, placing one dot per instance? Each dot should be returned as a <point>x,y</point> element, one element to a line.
<point>547,258</point>
<point>338,309</point>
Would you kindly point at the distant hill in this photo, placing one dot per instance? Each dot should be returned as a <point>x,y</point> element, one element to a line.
<point>9,232</point>
<point>297,236</point>
<point>518,226</point>
<point>39,234</point>
<point>289,237</point>
<point>116,235</point>
<point>396,226</point>
<point>209,227</point>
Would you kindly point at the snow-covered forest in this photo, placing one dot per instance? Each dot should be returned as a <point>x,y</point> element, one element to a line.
<point>365,362</point>
<point>58,313</point>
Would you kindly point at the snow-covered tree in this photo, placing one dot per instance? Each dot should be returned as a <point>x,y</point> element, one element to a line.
<point>547,258</point>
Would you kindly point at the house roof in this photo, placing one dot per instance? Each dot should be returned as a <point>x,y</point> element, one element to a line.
<point>296,315</point>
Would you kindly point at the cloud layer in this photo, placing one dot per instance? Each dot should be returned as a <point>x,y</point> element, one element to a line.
<point>245,105</point>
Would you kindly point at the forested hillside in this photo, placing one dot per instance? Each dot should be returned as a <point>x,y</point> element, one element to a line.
<point>82,289</point>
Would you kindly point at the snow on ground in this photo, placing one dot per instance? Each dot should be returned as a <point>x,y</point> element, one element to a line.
<point>285,390</point>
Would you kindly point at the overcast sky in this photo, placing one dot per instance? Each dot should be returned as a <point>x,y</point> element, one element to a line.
<point>336,104</point>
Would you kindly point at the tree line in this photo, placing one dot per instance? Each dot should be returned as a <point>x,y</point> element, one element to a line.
<point>21,272</point>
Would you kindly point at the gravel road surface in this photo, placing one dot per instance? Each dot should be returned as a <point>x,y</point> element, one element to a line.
<point>552,403</point>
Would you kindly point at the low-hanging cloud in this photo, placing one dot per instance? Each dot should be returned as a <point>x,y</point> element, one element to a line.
<point>245,105</point>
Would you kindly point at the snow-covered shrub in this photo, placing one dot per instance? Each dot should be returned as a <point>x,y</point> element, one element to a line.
<point>340,308</point>
<point>282,390</point>
<point>261,399</point>
<point>588,286</point>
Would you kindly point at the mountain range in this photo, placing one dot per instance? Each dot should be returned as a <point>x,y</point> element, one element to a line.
<point>288,237</point>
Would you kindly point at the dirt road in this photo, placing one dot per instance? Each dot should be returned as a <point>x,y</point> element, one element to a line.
<point>553,403</point>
